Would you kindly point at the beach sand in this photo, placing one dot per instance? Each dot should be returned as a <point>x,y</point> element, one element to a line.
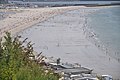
<point>64,36</point>
<point>28,17</point>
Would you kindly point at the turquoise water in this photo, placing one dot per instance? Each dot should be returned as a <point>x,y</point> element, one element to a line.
<point>106,24</point>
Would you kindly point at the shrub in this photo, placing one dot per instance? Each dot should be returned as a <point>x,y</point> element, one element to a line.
<point>16,64</point>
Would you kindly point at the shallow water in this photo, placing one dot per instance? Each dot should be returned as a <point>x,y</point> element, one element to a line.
<point>106,24</point>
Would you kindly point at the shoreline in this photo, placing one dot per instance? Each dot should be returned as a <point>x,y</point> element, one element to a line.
<point>66,40</point>
<point>69,45</point>
<point>94,38</point>
<point>91,36</point>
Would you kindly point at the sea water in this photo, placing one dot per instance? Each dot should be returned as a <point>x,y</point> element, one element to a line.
<point>106,24</point>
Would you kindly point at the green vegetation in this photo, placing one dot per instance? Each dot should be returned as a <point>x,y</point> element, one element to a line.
<point>17,61</point>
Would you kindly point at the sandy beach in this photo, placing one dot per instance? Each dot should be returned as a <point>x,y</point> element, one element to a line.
<point>28,17</point>
<point>61,32</point>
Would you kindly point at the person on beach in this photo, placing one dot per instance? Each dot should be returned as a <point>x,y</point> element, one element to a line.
<point>58,61</point>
